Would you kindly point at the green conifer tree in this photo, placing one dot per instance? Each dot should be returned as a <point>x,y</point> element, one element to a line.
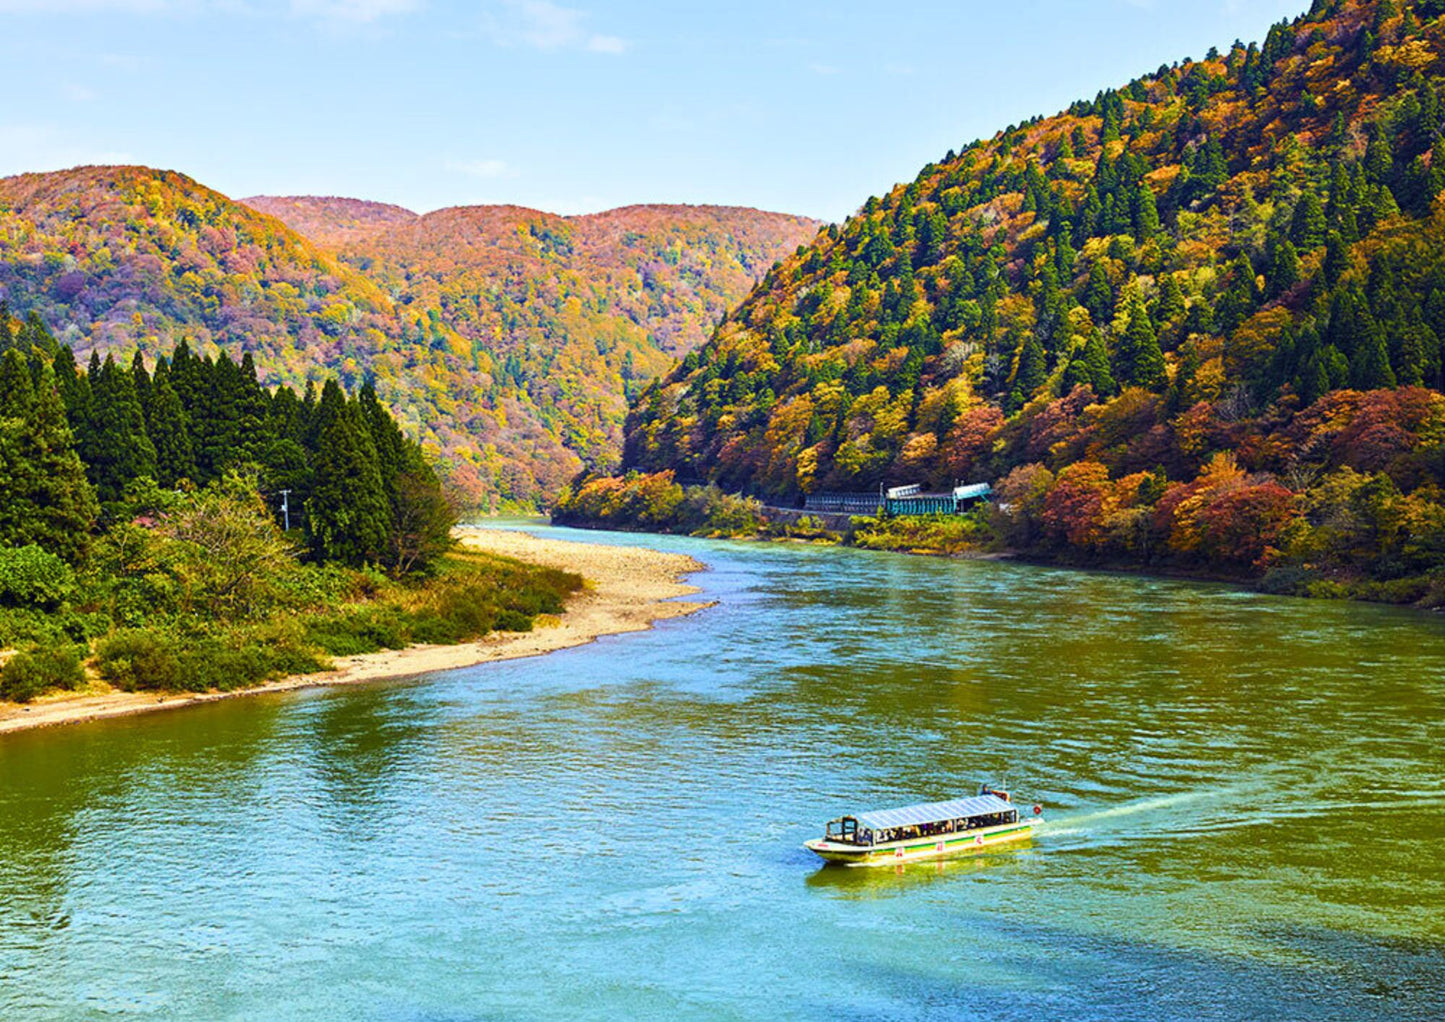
<point>1064,254</point>
<point>1308,226</point>
<point>1033,371</point>
<point>1146,213</point>
<point>1076,373</point>
<point>1240,297</point>
<point>44,496</point>
<point>1098,295</point>
<point>1284,271</point>
<point>1101,372</point>
<point>1171,301</point>
<point>1141,360</point>
<point>347,512</point>
<point>252,403</point>
<point>17,392</point>
<point>1370,366</point>
<point>35,336</point>
<point>169,431</point>
<point>120,450</point>
<point>1090,365</point>
<point>1409,362</point>
<point>1337,258</point>
<point>1313,381</point>
<point>386,437</point>
<point>142,382</point>
<point>217,418</point>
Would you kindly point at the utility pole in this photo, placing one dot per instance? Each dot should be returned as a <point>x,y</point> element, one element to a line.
<point>286,508</point>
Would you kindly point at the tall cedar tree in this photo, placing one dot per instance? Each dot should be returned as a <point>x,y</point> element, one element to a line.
<point>119,449</point>
<point>1033,372</point>
<point>1140,361</point>
<point>44,495</point>
<point>347,513</point>
<point>170,431</point>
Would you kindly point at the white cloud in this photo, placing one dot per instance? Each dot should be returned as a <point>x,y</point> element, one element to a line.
<point>77,93</point>
<point>486,169</point>
<point>607,44</point>
<point>352,10</point>
<point>543,25</point>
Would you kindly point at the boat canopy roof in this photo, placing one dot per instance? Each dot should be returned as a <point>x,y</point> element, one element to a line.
<point>933,812</point>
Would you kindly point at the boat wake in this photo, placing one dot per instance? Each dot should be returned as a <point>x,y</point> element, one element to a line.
<point>1101,822</point>
<point>1215,809</point>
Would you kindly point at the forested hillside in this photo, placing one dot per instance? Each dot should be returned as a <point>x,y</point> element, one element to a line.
<point>1196,321</point>
<point>572,314</point>
<point>329,221</point>
<point>127,259</point>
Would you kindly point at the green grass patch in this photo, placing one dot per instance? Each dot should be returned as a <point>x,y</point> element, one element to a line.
<point>326,612</point>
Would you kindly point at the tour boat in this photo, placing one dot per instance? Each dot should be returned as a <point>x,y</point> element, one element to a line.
<point>933,830</point>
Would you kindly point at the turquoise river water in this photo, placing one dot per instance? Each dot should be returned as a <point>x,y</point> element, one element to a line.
<point>1245,806</point>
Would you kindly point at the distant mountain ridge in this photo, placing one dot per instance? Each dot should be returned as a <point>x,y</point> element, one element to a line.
<point>330,221</point>
<point>514,373</point>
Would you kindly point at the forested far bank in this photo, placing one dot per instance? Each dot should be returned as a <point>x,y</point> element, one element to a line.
<point>1353,536</point>
<point>1196,322</point>
<point>144,515</point>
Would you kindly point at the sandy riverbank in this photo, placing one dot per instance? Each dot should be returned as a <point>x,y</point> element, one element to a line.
<point>628,589</point>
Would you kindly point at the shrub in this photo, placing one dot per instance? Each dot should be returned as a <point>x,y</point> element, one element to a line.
<point>140,659</point>
<point>33,672</point>
<point>154,659</point>
<point>939,534</point>
<point>466,613</point>
<point>208,663</point>
<point>1398,590</point>
<point>362,630</point>
<point>513,621</point>
<point>31,627</point>
<point>31,577</point>
<point>284,644</point>
<point>1288,580</point>
<point>313,586</point>
<point>434,630</point>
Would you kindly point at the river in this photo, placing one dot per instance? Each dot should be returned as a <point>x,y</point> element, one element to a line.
<point>1245,806</point>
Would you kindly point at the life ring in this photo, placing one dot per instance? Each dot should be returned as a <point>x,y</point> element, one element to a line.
<point>978,840</point>
<point>1038,810</point>
<point>898,853</point>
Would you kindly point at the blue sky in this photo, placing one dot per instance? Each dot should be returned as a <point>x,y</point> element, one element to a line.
<point>566,105</point>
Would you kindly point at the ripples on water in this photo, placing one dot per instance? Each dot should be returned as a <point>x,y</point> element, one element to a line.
<point>1245,800</point>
